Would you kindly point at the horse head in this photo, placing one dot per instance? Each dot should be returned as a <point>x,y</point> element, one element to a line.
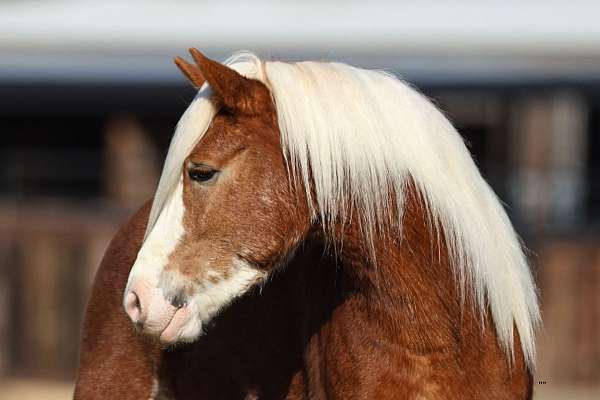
<point>231,214</point>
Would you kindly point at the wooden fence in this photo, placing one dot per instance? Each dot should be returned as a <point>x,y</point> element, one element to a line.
<point>49,256</point>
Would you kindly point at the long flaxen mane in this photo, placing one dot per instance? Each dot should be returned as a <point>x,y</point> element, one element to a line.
<point>362,135</point>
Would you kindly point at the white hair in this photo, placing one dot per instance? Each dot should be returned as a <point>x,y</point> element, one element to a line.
<point>362,135</point>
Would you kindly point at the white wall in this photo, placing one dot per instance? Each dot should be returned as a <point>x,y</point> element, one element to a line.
<point>108,37</point>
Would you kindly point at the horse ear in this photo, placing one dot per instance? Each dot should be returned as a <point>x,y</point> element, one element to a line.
<point>232,90</point>
<point>191,72</point>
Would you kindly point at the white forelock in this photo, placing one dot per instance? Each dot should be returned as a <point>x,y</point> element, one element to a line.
<point>360,135</point>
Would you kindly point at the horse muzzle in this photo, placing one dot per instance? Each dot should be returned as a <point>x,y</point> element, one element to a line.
<point>153,314</point>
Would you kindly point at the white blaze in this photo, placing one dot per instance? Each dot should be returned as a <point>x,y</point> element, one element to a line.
<point>161,242</point>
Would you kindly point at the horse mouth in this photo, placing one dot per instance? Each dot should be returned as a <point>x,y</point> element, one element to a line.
<point>173,331</point>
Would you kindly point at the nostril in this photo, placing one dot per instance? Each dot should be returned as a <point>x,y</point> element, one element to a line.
<point>133,307</point>
<point>179,301</point>
<point>137,302</point>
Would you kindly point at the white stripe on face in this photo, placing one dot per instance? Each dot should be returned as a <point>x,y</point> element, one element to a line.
<point>161,242</point>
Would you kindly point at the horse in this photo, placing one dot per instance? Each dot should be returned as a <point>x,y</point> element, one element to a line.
<point>318,231</point>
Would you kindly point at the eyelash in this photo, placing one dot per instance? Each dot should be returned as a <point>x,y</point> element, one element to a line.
<point>201,174</point>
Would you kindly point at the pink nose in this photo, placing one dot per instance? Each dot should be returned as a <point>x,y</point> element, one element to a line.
<point>151,312</point>
<point>133,308</point>
<point>139,299</point>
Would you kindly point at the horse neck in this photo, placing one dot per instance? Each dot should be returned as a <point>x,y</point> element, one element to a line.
<point>410,284</point>
<point>403,316</point>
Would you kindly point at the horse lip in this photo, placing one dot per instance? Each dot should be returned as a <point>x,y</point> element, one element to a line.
<point>172,331</point>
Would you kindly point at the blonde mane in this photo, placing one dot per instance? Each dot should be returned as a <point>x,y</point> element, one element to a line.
<point>361,135</point>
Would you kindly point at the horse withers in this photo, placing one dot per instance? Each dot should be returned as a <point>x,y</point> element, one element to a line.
<point>318,231</point>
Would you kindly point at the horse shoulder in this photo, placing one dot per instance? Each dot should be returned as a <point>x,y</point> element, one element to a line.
<point>115,362</point>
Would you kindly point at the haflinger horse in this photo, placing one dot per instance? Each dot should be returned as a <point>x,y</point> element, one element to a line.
<point>318,231</point>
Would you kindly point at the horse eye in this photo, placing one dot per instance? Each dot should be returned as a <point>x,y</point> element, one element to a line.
<point>201,174</point>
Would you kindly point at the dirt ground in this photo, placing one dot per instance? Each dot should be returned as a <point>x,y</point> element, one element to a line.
<point>548,392</point>
<point>33,389</point>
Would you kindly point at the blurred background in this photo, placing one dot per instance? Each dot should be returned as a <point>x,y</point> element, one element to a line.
<point>89,98</point>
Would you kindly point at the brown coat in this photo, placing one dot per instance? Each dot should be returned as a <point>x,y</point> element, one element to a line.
<point>311,333</point>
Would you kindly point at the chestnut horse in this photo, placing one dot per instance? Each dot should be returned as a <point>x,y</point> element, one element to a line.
<point>318,231</point>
